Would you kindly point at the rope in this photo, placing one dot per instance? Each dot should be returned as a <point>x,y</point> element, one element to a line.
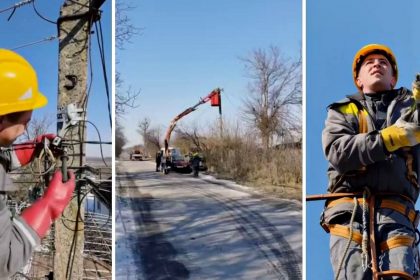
<point>365,238</point>
<point>350,238</point>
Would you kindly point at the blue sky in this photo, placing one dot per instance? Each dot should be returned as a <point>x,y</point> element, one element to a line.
<point>26,27</point>
<point>188,48</point>
<point>335,31</point>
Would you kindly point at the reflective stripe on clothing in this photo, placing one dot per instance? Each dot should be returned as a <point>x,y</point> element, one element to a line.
<point>344,231</point>
<point>361,115</point>
<point>385,203</point>
<point>391,243</point>
<point>397,241</point>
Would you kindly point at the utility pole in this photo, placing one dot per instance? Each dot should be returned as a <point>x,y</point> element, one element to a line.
<point>74,25</point>
<point>220,115</point>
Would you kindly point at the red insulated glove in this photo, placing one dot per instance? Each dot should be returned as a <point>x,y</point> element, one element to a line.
<point>25,152</point>
<point>40,215</point>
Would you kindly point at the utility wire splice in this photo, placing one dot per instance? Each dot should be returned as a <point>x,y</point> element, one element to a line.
<point>17,5</point>
<point>14,7</point>
<point>46,158</point>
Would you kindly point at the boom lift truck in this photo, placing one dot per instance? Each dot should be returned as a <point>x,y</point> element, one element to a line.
<point>214,97</point>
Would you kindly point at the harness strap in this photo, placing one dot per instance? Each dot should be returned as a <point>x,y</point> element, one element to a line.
<point>391,243</point>
<point>401,208</point>
<point>385,203</point>
<point>344,231</point>
<point>397,241</point>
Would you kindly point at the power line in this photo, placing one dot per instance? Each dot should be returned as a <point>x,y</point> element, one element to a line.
<point>100,40</point>
<point>50,38</point>
<point>17,5</point>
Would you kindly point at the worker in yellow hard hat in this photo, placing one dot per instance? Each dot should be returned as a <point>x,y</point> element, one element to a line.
<point>371,141</point>
<point>19,96</point>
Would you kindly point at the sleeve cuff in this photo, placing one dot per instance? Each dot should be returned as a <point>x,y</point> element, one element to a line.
<point>27,231</point>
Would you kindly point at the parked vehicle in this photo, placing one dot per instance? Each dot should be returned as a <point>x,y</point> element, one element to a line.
<point>173,160</point>
<point>179,163</point>
<point>136,155</point>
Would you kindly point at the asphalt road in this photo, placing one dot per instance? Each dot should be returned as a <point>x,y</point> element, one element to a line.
<point>179,227</point>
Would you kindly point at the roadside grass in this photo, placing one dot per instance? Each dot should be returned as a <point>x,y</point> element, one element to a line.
<point>277,171</point>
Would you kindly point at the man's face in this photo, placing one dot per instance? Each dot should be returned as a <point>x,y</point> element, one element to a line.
<point>375,74</point>
<point>10,130</point>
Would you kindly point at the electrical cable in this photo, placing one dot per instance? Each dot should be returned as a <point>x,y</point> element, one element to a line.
<point>100,140</point>
<point>79,205</point>
<point>50,38</point>
<point>11,14</point>
<point>87,95</point>
<point>15,6</point>
<point>100,40</point>
<point>41,16</point>
<point>72,253</point>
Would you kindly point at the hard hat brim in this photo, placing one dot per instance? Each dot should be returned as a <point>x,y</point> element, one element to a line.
<point>38,101</point>
<point>41,101</point>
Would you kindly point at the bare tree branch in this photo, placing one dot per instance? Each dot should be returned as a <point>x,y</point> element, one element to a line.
<point>124,31</point>
<point>275,88</point>
<point>151,136</point>
<point>191,138</point>
<point>38,126</point>
<point>120,139</point>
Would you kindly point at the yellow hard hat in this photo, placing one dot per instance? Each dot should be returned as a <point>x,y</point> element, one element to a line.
<point>18,84</point>
<point>369,49</point>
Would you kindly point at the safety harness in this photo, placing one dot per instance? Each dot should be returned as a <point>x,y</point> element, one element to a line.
<point>366,239</point>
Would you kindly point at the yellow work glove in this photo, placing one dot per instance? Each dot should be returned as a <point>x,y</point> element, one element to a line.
<point>401,134</point>
<point>416,89</point>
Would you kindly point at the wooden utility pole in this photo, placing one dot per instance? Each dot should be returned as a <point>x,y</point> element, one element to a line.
<point>74,25</point>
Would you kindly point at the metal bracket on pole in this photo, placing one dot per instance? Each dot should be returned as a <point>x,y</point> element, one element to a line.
<point>68,117</point>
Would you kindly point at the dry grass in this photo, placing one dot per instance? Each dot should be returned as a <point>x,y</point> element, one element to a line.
<point>276,171</point>
<point>238,155</point>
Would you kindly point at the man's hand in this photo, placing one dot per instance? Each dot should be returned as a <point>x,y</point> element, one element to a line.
<point>401,134</point>
<point>25,152</point>
<point>49,207</point>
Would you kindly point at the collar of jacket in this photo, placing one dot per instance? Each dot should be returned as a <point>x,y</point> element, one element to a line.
<point>359,97</point>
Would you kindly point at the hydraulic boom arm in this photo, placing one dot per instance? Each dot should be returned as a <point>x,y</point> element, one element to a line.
<point>186,112</point>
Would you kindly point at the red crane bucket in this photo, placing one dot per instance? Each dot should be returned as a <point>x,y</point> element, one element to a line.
<point>215,99</point>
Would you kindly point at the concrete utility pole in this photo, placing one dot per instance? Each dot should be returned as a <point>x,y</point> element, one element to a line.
<point>74,25</point>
